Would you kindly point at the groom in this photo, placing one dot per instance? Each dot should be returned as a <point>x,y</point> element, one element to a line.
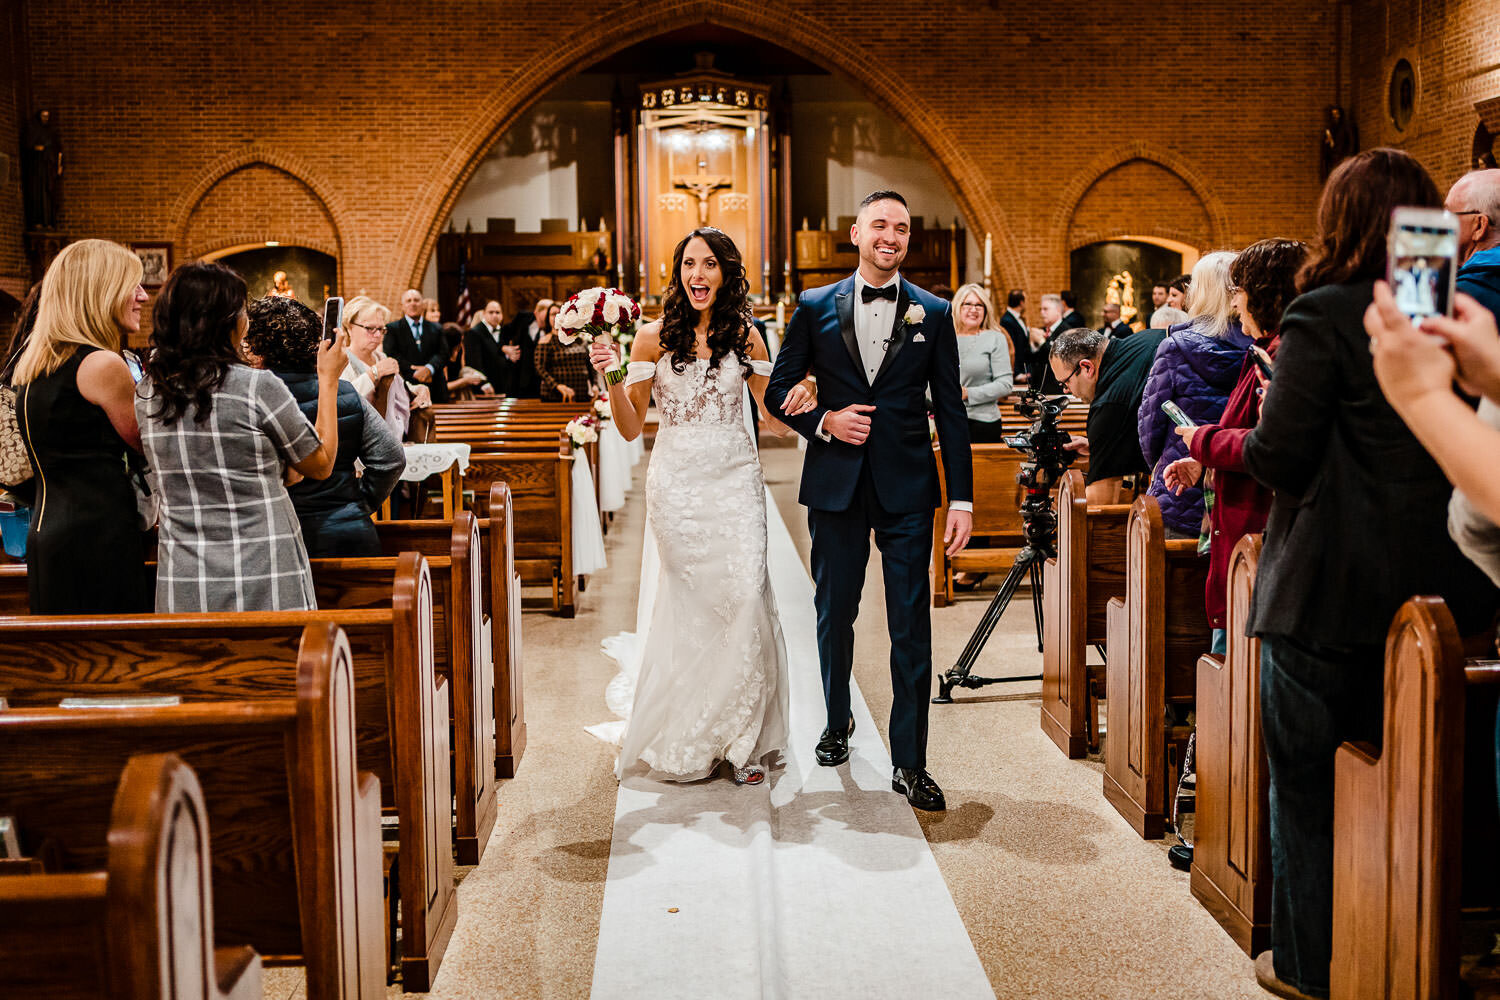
<point>875,342</point>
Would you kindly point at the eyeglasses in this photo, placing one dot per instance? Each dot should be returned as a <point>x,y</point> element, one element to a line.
<point>368,329</point>
<point>1467,211</point>
<point>1064,382</point>
<point>972,305</point>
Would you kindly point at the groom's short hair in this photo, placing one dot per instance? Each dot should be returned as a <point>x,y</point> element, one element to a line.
<point>875,196</point>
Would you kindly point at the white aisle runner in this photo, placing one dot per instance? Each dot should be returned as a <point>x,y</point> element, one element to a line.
<point>817,884</point>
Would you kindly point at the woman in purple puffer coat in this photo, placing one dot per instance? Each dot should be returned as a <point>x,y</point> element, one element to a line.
<point>1196,367</point>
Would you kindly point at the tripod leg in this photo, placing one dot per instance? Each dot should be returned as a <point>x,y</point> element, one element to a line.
<point>1025,563</point>
<point>1036,600</point>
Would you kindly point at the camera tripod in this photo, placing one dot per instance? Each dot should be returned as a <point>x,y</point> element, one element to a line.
<point>1039,526</point>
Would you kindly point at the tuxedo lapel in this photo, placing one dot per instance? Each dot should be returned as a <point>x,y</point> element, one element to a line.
<point>843,301</point>
<point>898,331</point>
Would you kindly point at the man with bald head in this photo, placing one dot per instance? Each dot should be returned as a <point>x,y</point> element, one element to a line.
<point>417,345</point>
<point>1475,199</point>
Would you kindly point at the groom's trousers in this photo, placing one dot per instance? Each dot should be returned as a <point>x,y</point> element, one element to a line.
<point>840,555</point>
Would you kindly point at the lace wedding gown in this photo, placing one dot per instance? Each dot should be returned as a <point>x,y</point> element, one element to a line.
<point>709,673</point>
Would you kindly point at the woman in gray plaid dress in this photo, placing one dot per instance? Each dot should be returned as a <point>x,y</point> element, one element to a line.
<point>220,437</point>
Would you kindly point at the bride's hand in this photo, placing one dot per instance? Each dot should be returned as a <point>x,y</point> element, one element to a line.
<point>601,355</point>
<point>802,399</point>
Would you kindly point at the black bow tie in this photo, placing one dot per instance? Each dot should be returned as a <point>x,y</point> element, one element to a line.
<point>869,294</point>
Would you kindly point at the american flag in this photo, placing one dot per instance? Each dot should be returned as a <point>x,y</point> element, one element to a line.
<point>465,307</point>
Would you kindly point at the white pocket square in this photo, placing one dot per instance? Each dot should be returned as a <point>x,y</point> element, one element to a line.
<point>919,339</point>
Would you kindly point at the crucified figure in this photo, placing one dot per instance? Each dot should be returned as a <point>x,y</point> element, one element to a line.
<point>702,184</point>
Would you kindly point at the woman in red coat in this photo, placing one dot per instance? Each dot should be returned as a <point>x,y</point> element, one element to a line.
<point>1264,280</point>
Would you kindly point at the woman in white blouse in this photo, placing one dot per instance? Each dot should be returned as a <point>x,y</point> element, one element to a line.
<point>364,321</point>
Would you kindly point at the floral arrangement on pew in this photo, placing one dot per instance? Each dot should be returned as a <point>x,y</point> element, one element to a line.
<point>582,430</point>
<point>601,408</point>
<point>600,312</point>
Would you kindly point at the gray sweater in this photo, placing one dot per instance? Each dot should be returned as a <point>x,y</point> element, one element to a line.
<point>984,370</point>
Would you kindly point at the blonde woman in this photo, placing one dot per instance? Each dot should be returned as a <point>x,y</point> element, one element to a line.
<point>374,375</point>
<point>432,312</point>
<point>984,371</point>
<point>75,402</point>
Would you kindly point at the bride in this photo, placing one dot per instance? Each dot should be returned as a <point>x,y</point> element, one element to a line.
<point>712,680</point>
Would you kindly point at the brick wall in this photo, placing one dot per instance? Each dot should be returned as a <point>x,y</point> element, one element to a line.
<point>13,276</point>
<point>381,112</point>
<point>1454,47</point>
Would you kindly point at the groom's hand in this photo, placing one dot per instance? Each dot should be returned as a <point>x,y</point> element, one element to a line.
<point>851,424</point>
<point>956,534</point>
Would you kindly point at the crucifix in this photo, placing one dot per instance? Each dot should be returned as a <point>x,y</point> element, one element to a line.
<point>702,184</point>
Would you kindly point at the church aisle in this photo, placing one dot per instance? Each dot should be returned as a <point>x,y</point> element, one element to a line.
<point>1059,896</point>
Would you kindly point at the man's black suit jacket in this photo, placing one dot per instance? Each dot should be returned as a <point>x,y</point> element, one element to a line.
<point>409,354</point>
<point>1020,337</point>
<point>1119,328</point>
<point>522,381</point>
<point>482,351</point>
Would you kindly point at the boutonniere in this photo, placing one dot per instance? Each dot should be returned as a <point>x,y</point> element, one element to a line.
<point>914,314</point>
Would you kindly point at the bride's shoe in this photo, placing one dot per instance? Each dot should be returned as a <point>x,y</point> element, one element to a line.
<point>750,774</point>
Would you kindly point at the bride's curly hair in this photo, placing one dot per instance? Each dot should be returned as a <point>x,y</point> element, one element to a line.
<point>729,316</point>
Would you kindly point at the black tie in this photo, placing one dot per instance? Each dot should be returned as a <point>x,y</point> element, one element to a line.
<point>416,331</point>
<point>869,294</point>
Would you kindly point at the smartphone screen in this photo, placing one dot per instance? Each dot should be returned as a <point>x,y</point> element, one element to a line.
<point>333,317</point>
<point>1422,260</point>
<point>1262,360</point>
<point>1179,418</point>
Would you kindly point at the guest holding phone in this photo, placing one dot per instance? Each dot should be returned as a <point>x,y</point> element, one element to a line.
<point>1264,279</point>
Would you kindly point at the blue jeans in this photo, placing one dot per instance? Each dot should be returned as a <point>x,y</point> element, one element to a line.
<point>1312,698</point>
<point>1220,642</point>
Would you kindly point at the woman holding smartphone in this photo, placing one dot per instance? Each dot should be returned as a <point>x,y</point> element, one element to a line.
<point>1264,280</point>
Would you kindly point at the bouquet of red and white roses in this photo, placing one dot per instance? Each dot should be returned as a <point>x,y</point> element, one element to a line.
<point>582,430</point>
<point>599,312</point>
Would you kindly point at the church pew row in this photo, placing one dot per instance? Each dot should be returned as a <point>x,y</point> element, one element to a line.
<point>997,518</point>
<point>541,488</point>
<point>1077,586</point>
<point>500,594</point>
<point>401,709</point>
<point>296,853</point>
<point>1415,821</point>
<point>1154,636</point>
<point>461,655</point>
<point>1231,874</point>
<point>142,928</point>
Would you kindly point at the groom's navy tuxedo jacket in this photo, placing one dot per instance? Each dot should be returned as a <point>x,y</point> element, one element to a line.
<point>820,339</point>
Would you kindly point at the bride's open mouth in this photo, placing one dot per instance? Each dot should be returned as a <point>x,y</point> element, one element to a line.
<point>699,293</point>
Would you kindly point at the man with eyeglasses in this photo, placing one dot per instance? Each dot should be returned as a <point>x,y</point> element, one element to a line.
<point>1109,373</point>
<point>1475,199</point>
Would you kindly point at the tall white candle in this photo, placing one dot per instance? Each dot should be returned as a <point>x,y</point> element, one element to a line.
<point>986,255</point>
<point>781,314</point>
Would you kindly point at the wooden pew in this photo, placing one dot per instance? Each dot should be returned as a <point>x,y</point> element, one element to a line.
<point>296,865</point>
<point>1154,638</point>
<point>1414,841</point>
<point>142,928</point>
<point>500,589</point>
<point>461,655</point>
<point>1231,873</point>
<point>1076,588</point>
<point>997,517</point>
<point>401,710</point>
<point>541,487</point>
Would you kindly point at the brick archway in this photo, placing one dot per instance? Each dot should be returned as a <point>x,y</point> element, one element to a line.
<point>260,155</point>
<point>766,19</point>
<point>1073,193</point>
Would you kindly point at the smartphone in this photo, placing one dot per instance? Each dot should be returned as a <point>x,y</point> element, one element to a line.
<point>1421,260</point>
<point>333,316</point>
<point>1179,418</point>
<point>1262,360</point>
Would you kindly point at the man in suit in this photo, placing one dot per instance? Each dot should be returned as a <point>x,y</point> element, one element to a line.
<point>1114,326</point>
<point>1158,297</point>
<point>1071,317</point>
<point>875,343</point>
<point>1013,322</point>
<point>521,337</point>
<point>1054,321</point>
<point>417,345</point>
<point>484,347</point>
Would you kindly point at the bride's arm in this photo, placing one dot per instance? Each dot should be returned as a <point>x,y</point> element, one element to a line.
<point>758,384</point>
<point>628,402</point>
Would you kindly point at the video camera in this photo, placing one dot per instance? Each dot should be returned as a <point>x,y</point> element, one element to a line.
<point>1044,442</point>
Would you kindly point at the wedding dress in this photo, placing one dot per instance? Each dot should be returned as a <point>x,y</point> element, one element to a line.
<point>706,680</point>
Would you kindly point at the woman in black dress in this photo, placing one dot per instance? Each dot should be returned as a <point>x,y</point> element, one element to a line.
<point>75,401</point>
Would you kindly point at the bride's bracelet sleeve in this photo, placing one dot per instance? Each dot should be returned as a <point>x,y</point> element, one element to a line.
<point>639,371</point>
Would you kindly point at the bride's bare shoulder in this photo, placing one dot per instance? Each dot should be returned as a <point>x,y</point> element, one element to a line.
<point>647,344</point>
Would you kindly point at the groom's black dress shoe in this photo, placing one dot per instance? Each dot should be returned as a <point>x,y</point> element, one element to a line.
<point>919,788</point>
<point>833,748</point>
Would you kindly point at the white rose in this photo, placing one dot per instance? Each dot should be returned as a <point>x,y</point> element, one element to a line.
<point>915,314</point>
<point>611,311</point>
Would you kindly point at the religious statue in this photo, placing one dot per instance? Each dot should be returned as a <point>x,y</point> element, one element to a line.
<point>1121,292</point>
<point>702,184</point>
<point>41,171</point>
<point>281,286</point>
<point>1340,140</point>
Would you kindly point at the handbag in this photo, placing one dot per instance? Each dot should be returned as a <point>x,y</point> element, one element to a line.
<point>15,463</point>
